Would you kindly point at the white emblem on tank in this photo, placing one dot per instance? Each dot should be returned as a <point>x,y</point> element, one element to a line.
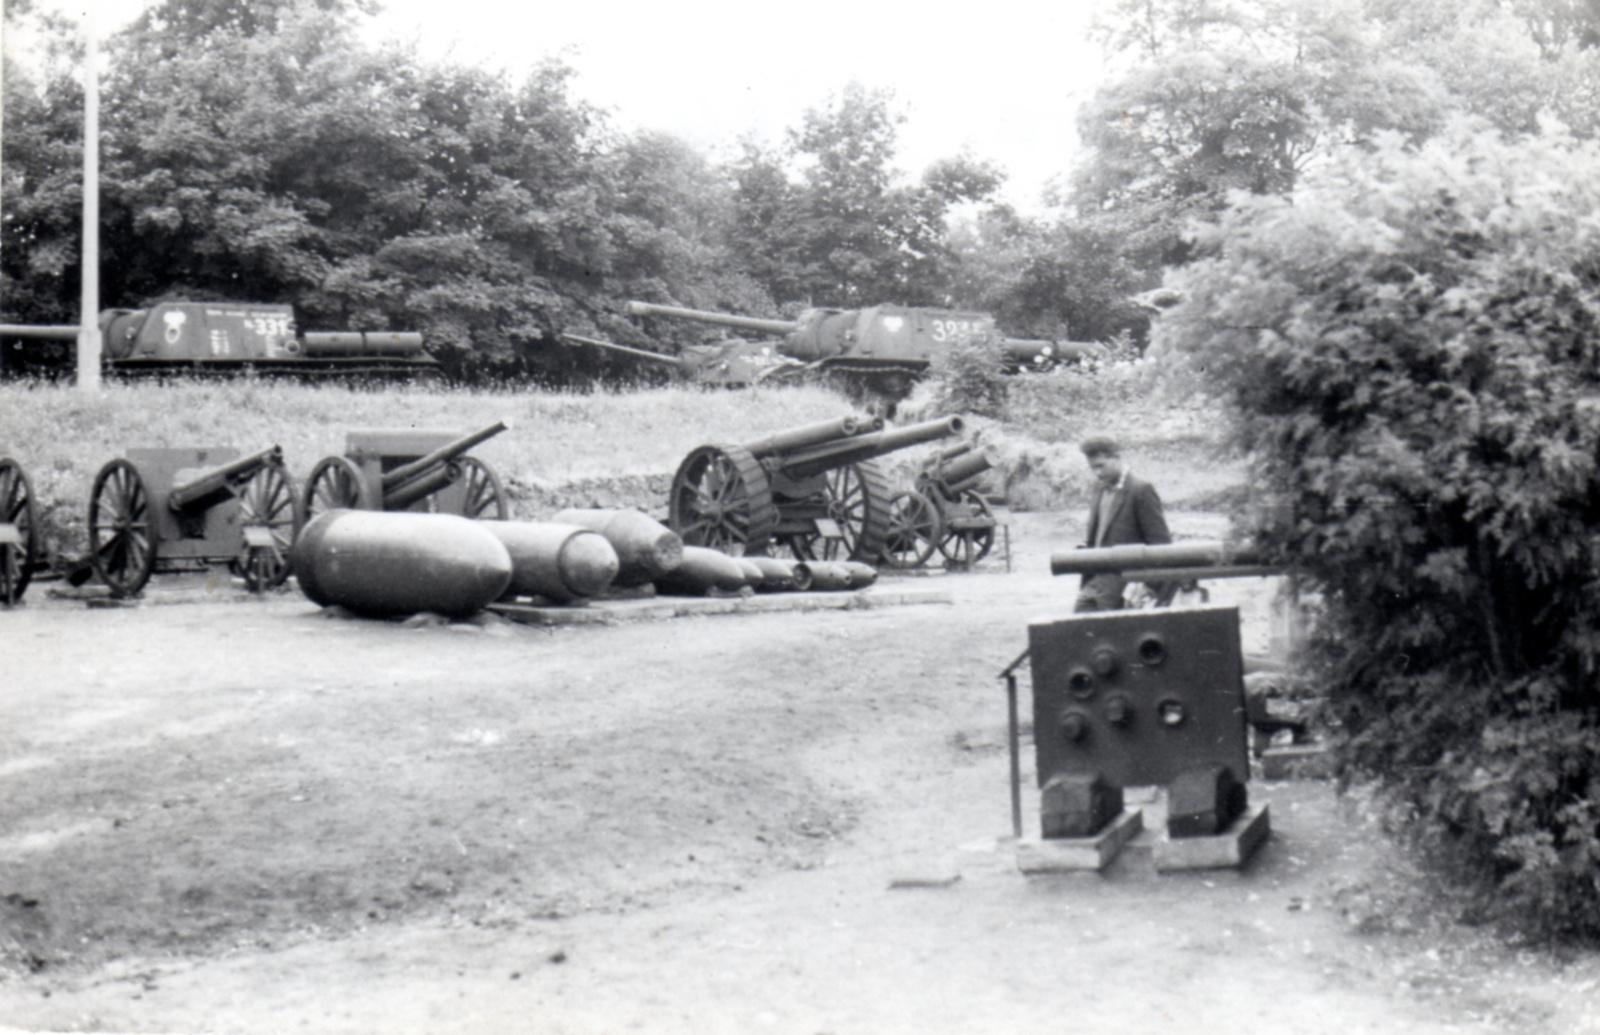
<point>174,319</point>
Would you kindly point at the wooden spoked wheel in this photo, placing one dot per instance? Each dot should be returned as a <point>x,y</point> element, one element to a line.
<point>268,504</point>
<point>336,483</point>
<point>485,497</point>
<point>858,499</point>
<point>965,546</point>
<point>721,499</point>
<point>915,530</point>
<point>19,549</point>
<point>122,539</point>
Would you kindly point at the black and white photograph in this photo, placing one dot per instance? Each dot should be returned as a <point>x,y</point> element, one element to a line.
<point>840,519</point>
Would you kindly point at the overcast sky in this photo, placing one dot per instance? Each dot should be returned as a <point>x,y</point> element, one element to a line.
<point>1002,79</point>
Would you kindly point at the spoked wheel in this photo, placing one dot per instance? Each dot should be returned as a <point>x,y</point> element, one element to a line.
<point>19,520</point>
<point>485,497</point>
<point>915,530</point>
<point>336,483</point>
<point>122,537</point>
<point>271,516</point>
<point>858,502</point>
<point>969,537</point>
<point>721,499</point>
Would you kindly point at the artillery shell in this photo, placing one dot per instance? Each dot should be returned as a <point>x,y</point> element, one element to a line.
<point>702,570</point>
<point>753,576</point>
<point>646,549</point>
<point>832,576</point>
<point>779,575</point>
<point>560,562</point>
<point>397,563</point>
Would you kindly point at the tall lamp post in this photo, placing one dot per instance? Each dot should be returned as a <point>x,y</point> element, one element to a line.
<point>89,324</point>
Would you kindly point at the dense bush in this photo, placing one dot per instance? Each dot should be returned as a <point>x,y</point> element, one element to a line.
<point>1412,348</point>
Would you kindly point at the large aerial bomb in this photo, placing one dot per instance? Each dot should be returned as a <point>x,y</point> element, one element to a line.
<point>399,563</point>
<point>702,571</point>
<point>556,561</point>
<point>646,549</point>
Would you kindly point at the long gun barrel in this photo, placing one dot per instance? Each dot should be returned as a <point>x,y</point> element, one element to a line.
<point>656,357</point>
<point>1210,557</point>
<point>444,454</point>
<point>744,323</point>
<point>812,460</point>
<point>1039,351</point>
<point>811,435</point>
<point>199,489</point>
<point>44,332</point>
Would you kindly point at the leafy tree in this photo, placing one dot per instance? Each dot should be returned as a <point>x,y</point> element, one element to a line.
<point>826,221</point>
<point>1411,347</point>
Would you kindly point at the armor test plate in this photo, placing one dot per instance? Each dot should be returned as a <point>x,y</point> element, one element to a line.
<point>1138,696</point>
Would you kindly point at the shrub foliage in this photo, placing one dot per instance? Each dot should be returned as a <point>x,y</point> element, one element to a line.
<point>1411,344</point>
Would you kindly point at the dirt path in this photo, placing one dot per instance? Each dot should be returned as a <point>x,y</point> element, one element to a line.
<point>246,816</point>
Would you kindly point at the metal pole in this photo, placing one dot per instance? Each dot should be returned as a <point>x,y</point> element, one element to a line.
<point>89,326</point>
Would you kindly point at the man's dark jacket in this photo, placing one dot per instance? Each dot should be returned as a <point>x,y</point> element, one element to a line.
<point>1135,515</point>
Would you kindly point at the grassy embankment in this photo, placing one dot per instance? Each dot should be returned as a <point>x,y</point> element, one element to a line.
<point>594,449</point>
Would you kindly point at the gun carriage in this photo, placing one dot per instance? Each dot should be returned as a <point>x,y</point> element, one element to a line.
<point>202,506</point>
<point>945,512</point>
<point>814,489</point>
<point>409,469</point>
<point>19,523</point>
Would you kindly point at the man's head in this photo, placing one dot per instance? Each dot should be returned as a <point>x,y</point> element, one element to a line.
<point>1105,459</point>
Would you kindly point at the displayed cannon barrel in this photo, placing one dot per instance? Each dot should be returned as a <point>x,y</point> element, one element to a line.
<point>811,435</point>
<point>629,350</point>
<point>958,470</point>
<point>361,343</point>
<point>214,481</point>
<point>1199,553</point>
<point>425,484</point>
<point>1023,351</point>
<point>405,472</point>
<point>744,323</point>
<point>383,564</point>
<point>828,455</point>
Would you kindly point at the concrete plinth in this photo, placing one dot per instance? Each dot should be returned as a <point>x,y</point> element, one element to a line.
<point>1229,849</point>
<point>1076,854</point>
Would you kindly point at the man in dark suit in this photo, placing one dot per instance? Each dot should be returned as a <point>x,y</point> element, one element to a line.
<point>1124,509</point>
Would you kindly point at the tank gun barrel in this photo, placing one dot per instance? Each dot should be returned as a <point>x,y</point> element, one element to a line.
<point>744,323</point>
<point>44,332</point>
<point>627,350</point>
<point>1040,351</point>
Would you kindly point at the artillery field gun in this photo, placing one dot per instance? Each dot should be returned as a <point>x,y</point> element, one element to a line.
<point>883,348</point>
<point>225,337</point>
<point>409,469</point>
<point>945,512</point>
<point>814,489</point>
<point>192,506</point>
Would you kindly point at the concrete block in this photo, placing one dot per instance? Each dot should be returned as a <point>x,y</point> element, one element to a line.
<point>1077,854</point>
<point>1229,849</point>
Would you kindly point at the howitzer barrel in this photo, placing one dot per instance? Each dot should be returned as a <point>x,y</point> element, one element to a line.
<point>425,484</point>
<point>362,343</point>
<point>213,481</point>
<point>1199,553</point>
<point>44,332</point>
<point>829,455</point>
<point>405,472</point>
<point>811,435</point>
<point>628,350</point>
<point>744,323</point>
<point>958,469</point>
